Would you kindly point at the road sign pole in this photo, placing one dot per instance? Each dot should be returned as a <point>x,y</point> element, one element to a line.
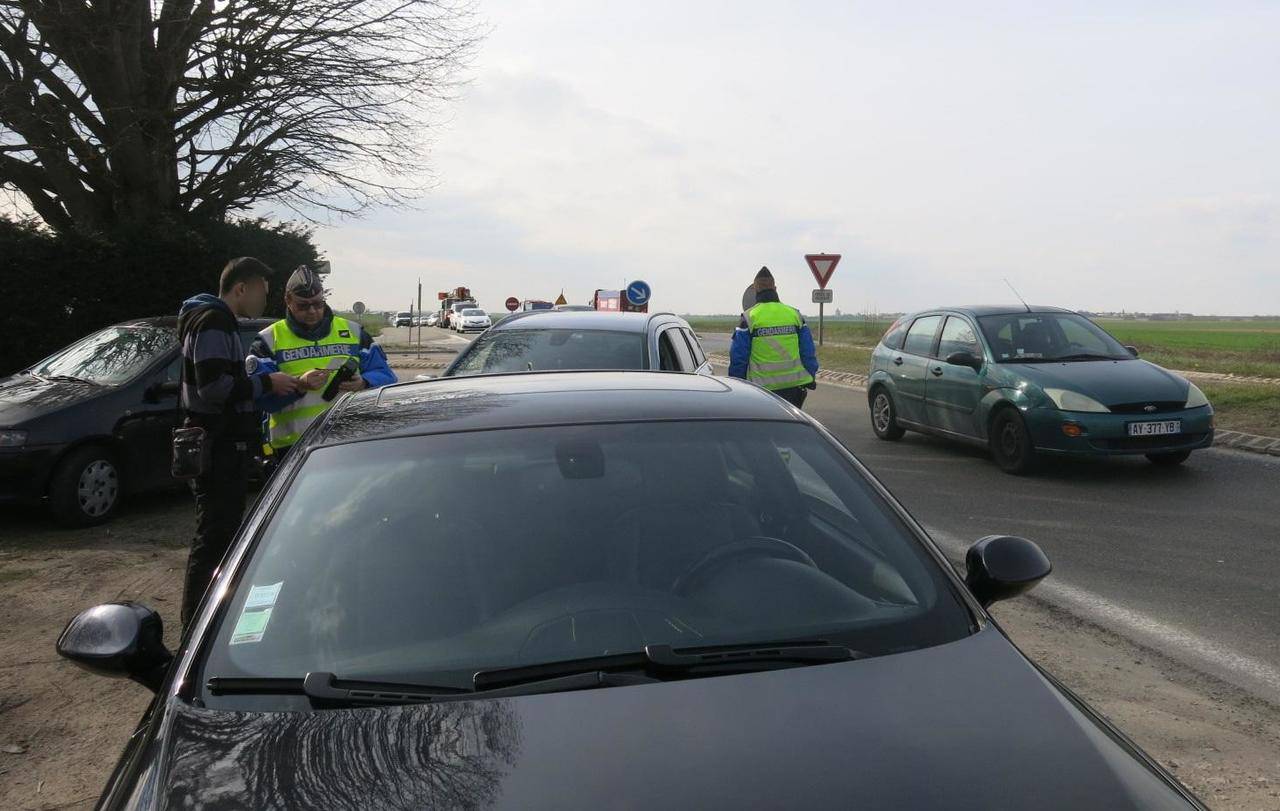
<point>820,323</point>
<point>420,318</point>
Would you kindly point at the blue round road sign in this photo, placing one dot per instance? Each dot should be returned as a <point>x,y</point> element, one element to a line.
<point>638,293</point>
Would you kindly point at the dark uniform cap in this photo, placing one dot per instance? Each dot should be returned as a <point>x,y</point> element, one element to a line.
<point>764,274</point>
<point>305,282</point>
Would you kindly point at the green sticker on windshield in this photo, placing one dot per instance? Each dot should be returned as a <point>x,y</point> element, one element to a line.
<point>251,626</point>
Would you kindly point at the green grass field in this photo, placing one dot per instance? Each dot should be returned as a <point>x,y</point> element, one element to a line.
<point>1236,347</point>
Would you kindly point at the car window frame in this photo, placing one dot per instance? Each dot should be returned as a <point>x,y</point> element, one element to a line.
<point>933,342</point>
<point>684,356</point>
<point>979,347</point>
<point>695,347</point>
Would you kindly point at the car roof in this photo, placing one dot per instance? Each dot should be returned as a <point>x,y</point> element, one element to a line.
<point>495,402</point>
<point>979,310</point>
<point>579,319</point>
<point>171,322</point>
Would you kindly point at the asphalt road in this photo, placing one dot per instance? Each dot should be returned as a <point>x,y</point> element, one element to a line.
<point>1184,560</point>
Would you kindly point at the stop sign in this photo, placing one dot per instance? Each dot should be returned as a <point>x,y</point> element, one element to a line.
<point>513,304</point>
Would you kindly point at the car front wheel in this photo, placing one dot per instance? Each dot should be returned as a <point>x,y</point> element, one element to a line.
<point>85,489</point>
<point>884,417</point>
<point>1168,459</point>
<point>1011,446</point>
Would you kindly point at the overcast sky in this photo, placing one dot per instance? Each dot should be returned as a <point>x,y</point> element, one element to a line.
<point>1101,156</point>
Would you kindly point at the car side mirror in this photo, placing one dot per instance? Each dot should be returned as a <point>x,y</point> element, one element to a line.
<point>965,358</point>
<point>120,640</point>
<point>158,391</point>
<point>998,567</point>
<point>1133,350</point>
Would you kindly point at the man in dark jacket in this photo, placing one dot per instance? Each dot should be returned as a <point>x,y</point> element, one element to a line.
<point>217,395</point>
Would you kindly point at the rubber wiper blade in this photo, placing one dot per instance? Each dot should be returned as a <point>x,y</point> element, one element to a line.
<point>1086,356</point>
<point>325,687</point>
<point>327,690</point>
<point>70,379</point>
<point>660,660</point>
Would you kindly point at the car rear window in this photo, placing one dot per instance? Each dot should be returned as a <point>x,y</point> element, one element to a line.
<point>893,336</point>
<point>425,559</point>
<point>539,350</point>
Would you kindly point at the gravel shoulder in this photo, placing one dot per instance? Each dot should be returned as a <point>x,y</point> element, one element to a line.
<point>70,726</point>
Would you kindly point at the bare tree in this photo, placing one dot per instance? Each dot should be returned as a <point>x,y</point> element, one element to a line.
<point>124,111</point>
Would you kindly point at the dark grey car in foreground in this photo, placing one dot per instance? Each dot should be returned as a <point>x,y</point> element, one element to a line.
<point>595,590</point>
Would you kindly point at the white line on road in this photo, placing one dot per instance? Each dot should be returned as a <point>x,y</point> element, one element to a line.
<point>1205,655</point>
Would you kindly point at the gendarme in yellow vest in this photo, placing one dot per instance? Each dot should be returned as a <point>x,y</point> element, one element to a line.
<point>775,347</point>
<point>297,356</point>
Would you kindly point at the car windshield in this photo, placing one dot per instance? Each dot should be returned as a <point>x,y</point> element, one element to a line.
<point>535,350</point>
<point>476,313</point>
<point>1043,337</point>
<point>425,559</point>
<point>110,356</point>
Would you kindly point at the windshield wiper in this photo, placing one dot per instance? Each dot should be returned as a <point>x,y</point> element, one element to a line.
<point>326,689</point>
<point>68,379</point>
<point>663,660</point>
<point>1085,356</point>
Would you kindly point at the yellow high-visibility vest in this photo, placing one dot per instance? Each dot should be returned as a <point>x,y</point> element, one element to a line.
<point>297,356</point>
<point>775,347</point>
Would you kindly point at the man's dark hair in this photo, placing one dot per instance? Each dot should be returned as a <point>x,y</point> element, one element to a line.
<point>242,270</point>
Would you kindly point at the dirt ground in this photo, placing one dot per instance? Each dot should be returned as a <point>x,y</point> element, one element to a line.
<point>61,729</point>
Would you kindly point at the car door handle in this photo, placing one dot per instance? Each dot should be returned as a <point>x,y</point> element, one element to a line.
<point>897,361</point>
<point>937,371</point>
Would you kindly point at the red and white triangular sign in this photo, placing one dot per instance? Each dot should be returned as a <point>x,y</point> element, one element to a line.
<point>822,265</point>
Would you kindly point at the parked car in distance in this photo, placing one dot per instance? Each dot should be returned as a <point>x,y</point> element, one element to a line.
<point>710,603</point>
<point>433,319</point>
<point>556,340</point>
<point>450,313</point>
<point>93,422</point>
<point>473,320</point>
<point>1028,383</point>
<point>404,319</point>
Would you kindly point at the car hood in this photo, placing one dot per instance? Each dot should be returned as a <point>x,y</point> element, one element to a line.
<point>24,397</point>
<point>970,724</point>
<point>1110,382</point>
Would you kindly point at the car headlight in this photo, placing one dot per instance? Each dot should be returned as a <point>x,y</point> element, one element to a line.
<point>10,438</point>
<point>1068,400</point>
<point>1195,397</point>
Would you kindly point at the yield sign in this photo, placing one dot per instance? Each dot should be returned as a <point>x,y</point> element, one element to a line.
<point>822,265</point>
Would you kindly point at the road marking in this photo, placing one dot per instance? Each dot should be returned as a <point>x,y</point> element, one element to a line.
<point>1200,653</point>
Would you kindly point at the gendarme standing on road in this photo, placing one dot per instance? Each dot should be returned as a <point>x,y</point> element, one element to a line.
<point>328,353</point>
<point>772,346</point>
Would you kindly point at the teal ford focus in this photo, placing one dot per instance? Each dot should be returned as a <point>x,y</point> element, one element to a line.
<point>1028,383</point>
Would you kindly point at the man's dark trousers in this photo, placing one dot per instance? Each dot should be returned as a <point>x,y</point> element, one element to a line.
<point>794,395</point>
<point>220,495</point>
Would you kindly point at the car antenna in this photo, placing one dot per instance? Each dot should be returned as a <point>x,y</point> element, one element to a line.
<point>1019,295</point>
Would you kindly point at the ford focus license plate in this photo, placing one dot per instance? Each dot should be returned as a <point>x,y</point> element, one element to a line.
<point>1155,428</point>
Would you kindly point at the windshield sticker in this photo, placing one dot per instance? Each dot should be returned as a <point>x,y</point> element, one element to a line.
<point>256,613</point>
<point>251,626</point>
<point>263,596</point>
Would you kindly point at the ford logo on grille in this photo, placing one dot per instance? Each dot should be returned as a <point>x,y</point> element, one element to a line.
<point>1149,408</point>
